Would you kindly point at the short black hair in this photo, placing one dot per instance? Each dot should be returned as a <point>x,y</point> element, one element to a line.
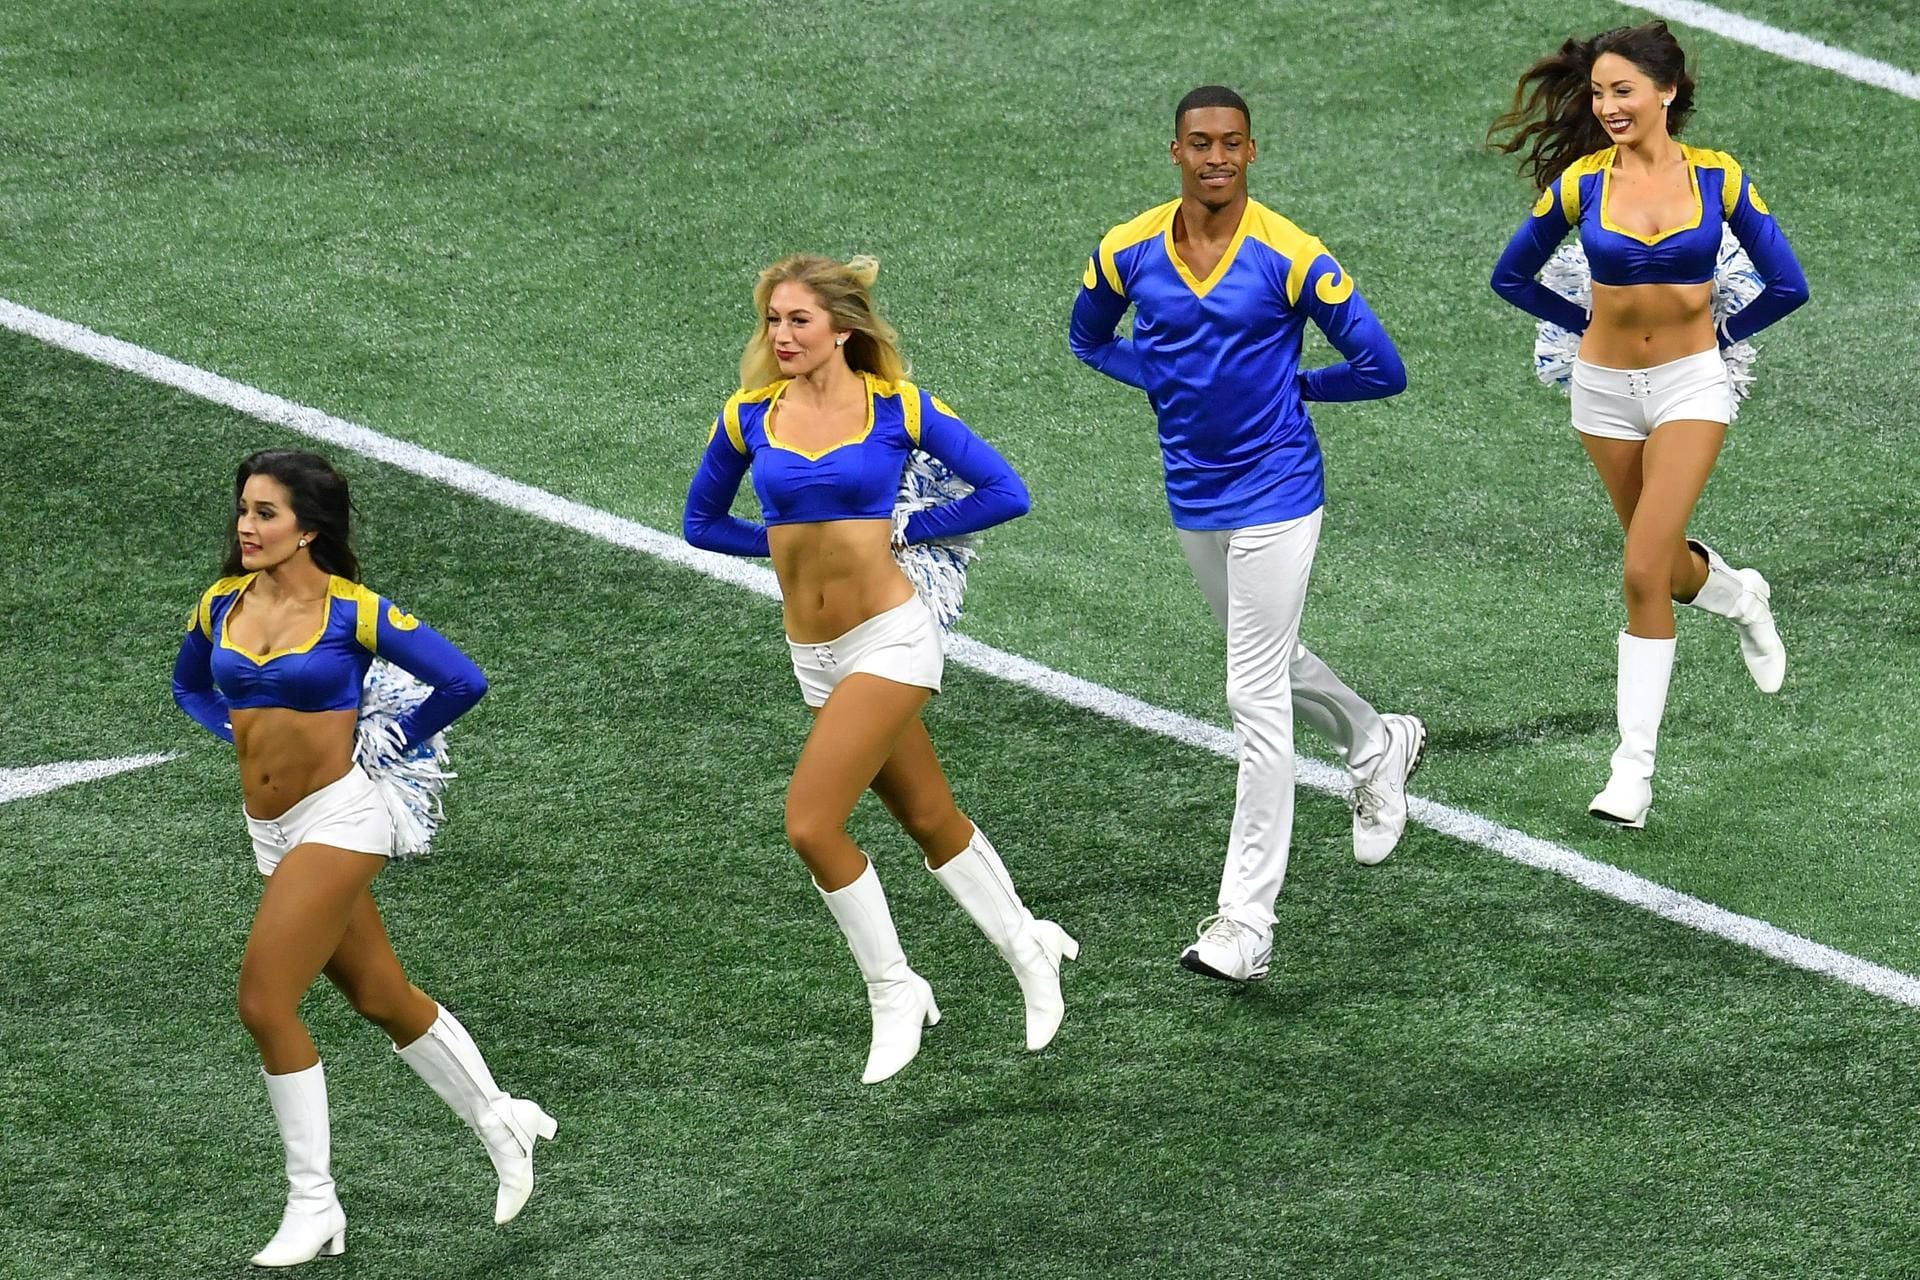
<point>1211,95</point>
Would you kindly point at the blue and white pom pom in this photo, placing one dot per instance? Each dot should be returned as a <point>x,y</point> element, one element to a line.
<point>1735,284</point>
<point>410,783</point>
<point>937,569</point>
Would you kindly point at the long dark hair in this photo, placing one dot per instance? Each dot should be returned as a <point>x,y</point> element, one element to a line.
<point>1551,120</point>
<point>320,505</point>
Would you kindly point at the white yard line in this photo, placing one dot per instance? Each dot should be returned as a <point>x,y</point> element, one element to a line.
<point>38,779</point>
<point>1468,827</point>
<point>1787,44</point>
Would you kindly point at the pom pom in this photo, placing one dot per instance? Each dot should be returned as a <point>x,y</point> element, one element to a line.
<point>1735,283</point>
<point>410,782</point>
<point>937,569</point>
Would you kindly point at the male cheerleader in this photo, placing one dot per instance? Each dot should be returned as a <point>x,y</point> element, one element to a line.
<point>1222,289</point>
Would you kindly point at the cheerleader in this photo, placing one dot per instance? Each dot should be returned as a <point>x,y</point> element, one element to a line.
<point>274,660</point>
<point>826,425</point>
<point>1596,125</point>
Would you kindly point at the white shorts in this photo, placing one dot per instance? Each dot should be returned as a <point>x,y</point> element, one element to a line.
<point>1627,404</point>
<point>902,645</point>
<point>347,814</point>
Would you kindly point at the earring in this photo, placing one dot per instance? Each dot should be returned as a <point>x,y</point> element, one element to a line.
<point>840,341</point>
<point>1666,102</point>
<point>303,542</point>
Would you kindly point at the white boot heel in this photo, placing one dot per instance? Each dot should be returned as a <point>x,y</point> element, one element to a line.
<point>1032,948</point>
<point>1058,942</point>
<point>302,1237</point>
<point>899,999</point>
<point>313,1223</point>
<point>1645,669</point>
<point>1046,1007</point>
<point>901,1010</point>
<point>509,1142</point>
<point>449,1061</point>
<point>1743,596</point>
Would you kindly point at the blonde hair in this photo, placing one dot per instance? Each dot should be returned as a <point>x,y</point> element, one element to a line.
<point>845,291</point>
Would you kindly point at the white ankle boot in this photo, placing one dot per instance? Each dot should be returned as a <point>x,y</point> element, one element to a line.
<point>1034,949</point>
<point>449,1061</point>
<point>901,1000</point>
<point>1646,668</point>
<point>1744,596</point>
<point>314,1223</point>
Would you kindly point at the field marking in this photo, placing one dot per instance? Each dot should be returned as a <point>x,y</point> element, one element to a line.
<point>38,779</point>
<point>1788,44</point>
<point>1470,828</point>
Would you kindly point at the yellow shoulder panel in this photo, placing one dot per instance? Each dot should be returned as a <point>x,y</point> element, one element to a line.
<point>909,407</point>
<point>203,612</point>
<point>730,416</point>
<point>1702,158</point>
<point>1125,236</point>
<point>1290,242</point>
<point>366,605</point>
<point>1597,162</point>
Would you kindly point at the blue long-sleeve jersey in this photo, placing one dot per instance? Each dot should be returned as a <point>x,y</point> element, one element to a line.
<point>1686,254</point>
<point>1219,359</point>
<point>212,675</point>
<point>856,479</point>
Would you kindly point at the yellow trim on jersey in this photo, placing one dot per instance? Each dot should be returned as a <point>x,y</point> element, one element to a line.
<point>1701,158</point>
<point>1544,203</point>
<point>910,409</point>
<point>1290,242</point>
<point>1201,288</point>
<point>202,616</point>
<point>730,416</point>
<point>366,611</point>
<point>1598,162</point>
<point>875,388</point>
<point>1753,198</point>
<point>334,590</point>
<point>1128,234</point>
<point>1693,181</point>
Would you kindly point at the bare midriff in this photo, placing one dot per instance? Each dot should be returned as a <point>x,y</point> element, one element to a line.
<point>834,575</point>
<point>287,755</point>
<point>1638,326</point>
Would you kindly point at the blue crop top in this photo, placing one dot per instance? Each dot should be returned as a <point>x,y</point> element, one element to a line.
<point>857,479</point>
<point>213,675</point>
<point>1685,254</point>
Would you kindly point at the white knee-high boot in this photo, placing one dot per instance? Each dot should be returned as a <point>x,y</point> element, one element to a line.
<point>979,882</point>
<point>314,1223</point>
<point>901,1001</point>
<point>1744,596</point>
<point>1646,668</point>
<point>449,1061</point>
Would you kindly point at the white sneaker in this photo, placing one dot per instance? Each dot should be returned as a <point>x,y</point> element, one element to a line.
<point>1380,803</point>
<point>1230,950</point>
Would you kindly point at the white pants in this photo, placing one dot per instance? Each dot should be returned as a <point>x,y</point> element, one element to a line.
<point>1256,581</point>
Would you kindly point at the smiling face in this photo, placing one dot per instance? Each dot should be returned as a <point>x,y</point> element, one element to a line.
<point>1213,151</point>
<point>800,329</point>
<point>1626,101</point>
<point>268,531</point>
